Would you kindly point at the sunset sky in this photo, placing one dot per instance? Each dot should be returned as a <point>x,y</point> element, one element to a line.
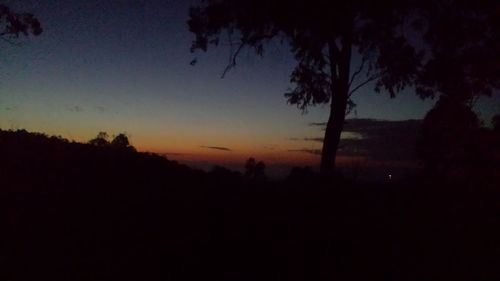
<point>123,66</point>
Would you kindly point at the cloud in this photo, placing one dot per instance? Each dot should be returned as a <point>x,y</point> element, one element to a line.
<point>216,148</point>
<point>376,139</point>
<point>382,139</point>
<point>344,135</point>
<point>306,150</point>
<point>351,135</point>
<point>171,154</point>
<point>100,108</point>
<point>322,124</point>
<point>318,139</point>
<point>10,108</point>
<point>75,108</point>
<point>372,127</point>
<point>270,147</point>
<point>314,139</point>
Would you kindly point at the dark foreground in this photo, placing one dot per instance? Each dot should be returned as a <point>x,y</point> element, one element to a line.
<point>72,211</point>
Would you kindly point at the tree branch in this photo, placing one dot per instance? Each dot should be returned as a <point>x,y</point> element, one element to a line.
<point>333,54</point>
<point>10,42</point>
<point>370,79</point>
<point>473,100</point>
<point>232,59</point>
<point>244,41</point>
<point>326,56</point>
<point>357,72</point>
<point>334,48</point>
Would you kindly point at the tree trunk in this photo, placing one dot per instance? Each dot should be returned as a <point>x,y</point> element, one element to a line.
<point>338,106</point>
<point>331,140</point>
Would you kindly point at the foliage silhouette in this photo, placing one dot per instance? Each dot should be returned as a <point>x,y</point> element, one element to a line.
<point>121,142</point>
<point>447,133</point>
<point>464,37</point>
<point>323,36</point>
<point>13,24</point>
<point>255,170</point>
<point>102,139</point>
<point>454,145</point>
<point>496,122</point>
<point>441,47</point>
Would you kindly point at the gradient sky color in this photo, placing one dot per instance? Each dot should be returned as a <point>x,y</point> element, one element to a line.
<point>123,66</point>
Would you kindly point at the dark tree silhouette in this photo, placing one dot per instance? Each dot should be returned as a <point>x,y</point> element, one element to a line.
<point>464,37</point>
<point>121,141</point>
<point>496,123</point>
<point>323,36</point>
<point>100,140</point>
<point>254,169</point>
<point>13,24</point>
<point>448,137</point>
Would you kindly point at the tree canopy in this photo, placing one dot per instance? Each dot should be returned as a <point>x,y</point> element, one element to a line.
<point>323,35</point>
<point>464,40</point>
<point>447,48</point>
<point>254,170</point>
<point>119,141</point>
<point>14,24</point>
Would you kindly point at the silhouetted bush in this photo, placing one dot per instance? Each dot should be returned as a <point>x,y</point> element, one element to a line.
<point>121,142</point>
<point>255,170</point>
<point>100,140</point>
<point>448,131</point>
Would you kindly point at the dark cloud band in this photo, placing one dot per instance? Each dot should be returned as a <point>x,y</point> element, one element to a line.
<point>216,148</point>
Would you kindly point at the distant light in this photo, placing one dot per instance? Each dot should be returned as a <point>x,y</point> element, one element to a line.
<point>390,177</point>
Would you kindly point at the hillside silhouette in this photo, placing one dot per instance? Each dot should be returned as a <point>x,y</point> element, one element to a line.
<point>74,211</point>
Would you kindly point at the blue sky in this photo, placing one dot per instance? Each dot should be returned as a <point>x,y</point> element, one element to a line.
<point>123,66</point>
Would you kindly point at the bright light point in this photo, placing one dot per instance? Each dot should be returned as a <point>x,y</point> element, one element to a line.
<point>390,177</point>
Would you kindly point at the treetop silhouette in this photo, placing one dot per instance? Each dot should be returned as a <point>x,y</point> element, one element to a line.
<point>447,137</point>
<point>254,170</point>
<point>442,47</point>
<point>14,24</point>
<point>119,141</point>
<point>464,37</point>
<point>102,139</point>
<point>323,36</point>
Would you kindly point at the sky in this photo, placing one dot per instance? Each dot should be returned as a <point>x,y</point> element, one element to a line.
<point>124,66</point>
